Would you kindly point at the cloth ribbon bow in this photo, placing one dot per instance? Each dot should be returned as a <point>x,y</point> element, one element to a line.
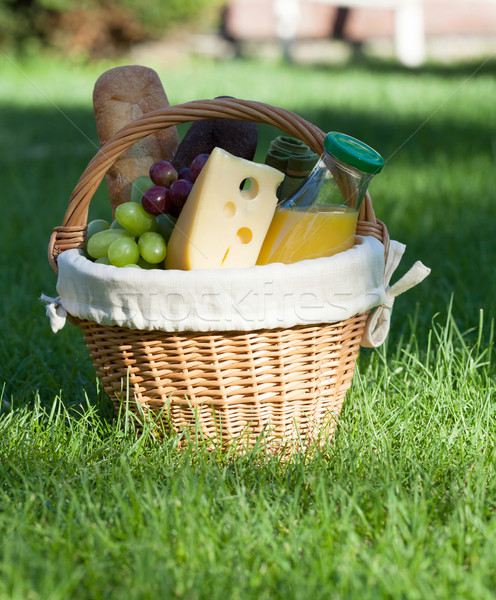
<point>55,312</point>
<point>377,325</point>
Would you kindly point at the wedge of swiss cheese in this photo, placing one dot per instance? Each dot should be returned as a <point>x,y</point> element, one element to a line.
<point>221,224</point>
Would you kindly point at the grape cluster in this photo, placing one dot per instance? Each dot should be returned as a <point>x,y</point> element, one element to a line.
<point>142,227</point>
<point>134,239</point>
<point>170,189</point>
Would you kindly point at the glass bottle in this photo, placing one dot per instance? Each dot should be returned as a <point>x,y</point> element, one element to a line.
<point>320,218</point>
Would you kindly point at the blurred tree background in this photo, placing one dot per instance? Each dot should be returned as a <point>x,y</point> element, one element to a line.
<point>97,28</point>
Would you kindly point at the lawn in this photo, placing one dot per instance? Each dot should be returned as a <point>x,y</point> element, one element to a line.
<point>400,505</point>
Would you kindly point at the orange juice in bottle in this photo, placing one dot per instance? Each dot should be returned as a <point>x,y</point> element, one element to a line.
<point>308,233</point>
<point>320,218</point>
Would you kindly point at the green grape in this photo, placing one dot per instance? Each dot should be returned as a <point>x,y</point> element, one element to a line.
<point>139,187</point>
<point>145,265</point>
<point>123,251</point>
<point>103,260</point>
<point>133,217</point>
<point>96,226</point>
<point>99,243</point>
<point>134,265</point>
<point>152,247</point>
<point>165,225</point>
<point>116,225</point>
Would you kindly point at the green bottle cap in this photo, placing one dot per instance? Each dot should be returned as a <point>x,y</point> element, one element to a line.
<point>353,152</point>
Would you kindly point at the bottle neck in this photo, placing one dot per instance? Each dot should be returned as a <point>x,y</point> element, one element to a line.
<point>351,181</point>
<point>331,183</point>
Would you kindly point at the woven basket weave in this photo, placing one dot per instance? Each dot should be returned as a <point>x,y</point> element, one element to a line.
<point>285,385</point>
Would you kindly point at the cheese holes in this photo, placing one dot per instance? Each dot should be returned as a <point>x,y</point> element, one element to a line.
<point>244,235</point>
<point>229,210</point>
<point>249,188</point>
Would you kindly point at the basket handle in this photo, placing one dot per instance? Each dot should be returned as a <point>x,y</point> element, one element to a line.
<point>72,232</point>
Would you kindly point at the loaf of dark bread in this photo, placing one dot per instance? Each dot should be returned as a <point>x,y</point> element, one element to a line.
<point>239,138</point>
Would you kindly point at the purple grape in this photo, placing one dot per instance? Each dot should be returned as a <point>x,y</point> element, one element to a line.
<point>185,174</point>
<point>163,173</point>
<point>179,193</point>
<point>197,165</point>
<point>156,200</point>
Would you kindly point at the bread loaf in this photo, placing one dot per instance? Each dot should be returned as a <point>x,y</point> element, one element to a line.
<point>120,96</point>
<point>237,137</point>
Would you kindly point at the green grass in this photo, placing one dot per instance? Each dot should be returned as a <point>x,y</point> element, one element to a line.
<point>400,505</point>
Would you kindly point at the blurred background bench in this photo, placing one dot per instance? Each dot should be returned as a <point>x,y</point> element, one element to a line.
<point>407,22</point>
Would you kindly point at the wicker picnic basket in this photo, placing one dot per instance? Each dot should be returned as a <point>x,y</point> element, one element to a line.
<point>283,386</point>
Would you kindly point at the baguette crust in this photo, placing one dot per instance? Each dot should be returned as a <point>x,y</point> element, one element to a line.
<point>120,96</point>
